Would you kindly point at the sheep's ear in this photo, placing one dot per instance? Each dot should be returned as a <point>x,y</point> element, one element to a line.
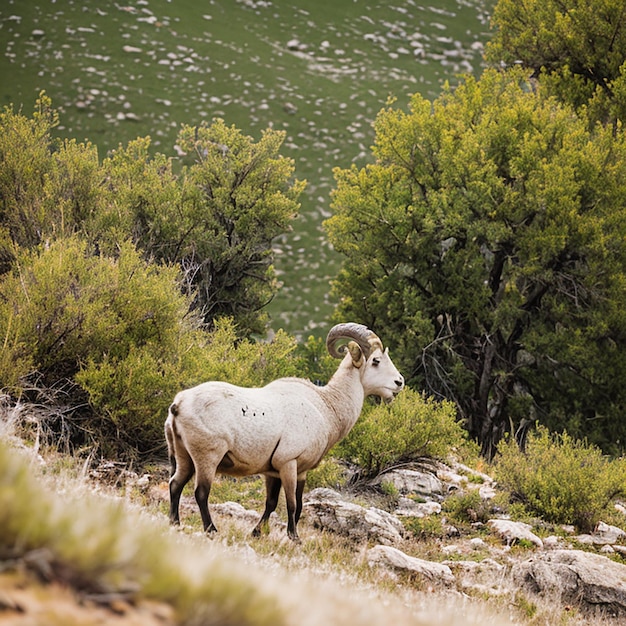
<point>356,353</point>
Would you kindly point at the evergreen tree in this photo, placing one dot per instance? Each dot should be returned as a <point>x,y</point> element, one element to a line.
<point>578,49</point>
<point>488,240</point>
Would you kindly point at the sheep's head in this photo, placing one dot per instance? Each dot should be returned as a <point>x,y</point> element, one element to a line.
<point>379,375</point>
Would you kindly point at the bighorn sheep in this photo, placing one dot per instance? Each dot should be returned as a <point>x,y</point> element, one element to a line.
<point>281,430</point>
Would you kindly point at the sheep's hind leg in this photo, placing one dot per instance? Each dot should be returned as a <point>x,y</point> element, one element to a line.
<point>272,488</point>
<point>289,478</point>
<point>180,477</point>
<point>204,479</point>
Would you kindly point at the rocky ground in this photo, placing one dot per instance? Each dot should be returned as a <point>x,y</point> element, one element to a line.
<point>530,573</point>
<point>501,558</point>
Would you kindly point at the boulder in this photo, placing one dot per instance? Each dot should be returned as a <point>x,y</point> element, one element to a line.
<point>236,511</point>
<point>327,511</point>
<point>592,582</point>
<point>603,535</point>
<point>397,561</point>
<point>412,481</point>
<point>511,532</point>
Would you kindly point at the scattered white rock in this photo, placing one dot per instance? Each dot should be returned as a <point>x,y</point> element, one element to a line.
<point>235,510</point>
<point>410,508</point>
<point>551,542</point>
<point>477,543</point>
<point>396,560</point>
<point>512,532</point>
<point>605,533</point>
<point>487,492</point>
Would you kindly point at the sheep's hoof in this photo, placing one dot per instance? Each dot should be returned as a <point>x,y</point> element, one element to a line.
<point>262,528</point>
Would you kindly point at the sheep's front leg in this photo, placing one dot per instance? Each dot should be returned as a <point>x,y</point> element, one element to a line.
<point>299,492</point>
<point>289,478</point>
<point>272,489</point>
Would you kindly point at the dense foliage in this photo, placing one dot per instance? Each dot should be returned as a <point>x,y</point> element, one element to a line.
<point>560,479</point>
<point>83,327</point>
<point>112,272</point>
<point>578,49</point>
<point>215,219</point>
<point>488,240</point>
<point>388,435</point>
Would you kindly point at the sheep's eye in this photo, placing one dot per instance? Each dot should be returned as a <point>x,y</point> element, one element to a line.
<point>375,362</point>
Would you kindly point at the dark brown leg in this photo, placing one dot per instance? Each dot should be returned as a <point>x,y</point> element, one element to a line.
<point>272,488</point>
<point>299,492</point>
<point>203,489</point>
<point>181,475</point>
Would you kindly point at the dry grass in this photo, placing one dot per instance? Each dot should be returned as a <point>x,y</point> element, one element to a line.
<point>107,545</point>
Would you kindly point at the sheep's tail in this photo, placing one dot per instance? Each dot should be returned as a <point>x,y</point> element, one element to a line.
<point>170,434</point>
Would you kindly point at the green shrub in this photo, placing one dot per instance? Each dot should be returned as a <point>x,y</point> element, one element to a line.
<point>215,218</point>
<point>468,507</point>
<point>560,479</point>
<point>409,428</point>
<point>117,333</point>
<point>424,528</point>
<point>113,328</point>
<point>329,473</point>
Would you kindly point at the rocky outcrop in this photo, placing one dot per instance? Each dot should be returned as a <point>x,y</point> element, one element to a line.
<point>397,561</point>
<point>514,532</point>
<point>326,509</point>
<point>413,482</point>
<point>590,581</point>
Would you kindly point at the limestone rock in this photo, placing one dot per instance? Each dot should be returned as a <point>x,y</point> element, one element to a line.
<point>352,520</point>
<point>398,561</point>
<point>410,508</point>
<point>511,531</point>
<point>413,481</point>
<point>235,510</point>
<point>590,581</point>
<point>603,535</point>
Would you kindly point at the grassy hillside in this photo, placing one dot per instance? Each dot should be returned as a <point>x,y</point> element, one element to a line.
<point>76,551</point>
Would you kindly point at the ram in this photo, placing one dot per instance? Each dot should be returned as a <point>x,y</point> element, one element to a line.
<point>282,430</point>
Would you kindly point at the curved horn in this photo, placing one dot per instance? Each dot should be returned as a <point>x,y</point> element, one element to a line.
<point>366,339</point>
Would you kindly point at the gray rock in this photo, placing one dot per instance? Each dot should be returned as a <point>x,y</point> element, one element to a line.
<point>351,520</point>
<point>412,481</point>
<point>323,493</point>
<point>511,532</point>
<point>592,582</point>
<point>397,561</point>
<point>487,576</point>
<point>410,508</point>
<point>235,510</point>
<point>606,534</point>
